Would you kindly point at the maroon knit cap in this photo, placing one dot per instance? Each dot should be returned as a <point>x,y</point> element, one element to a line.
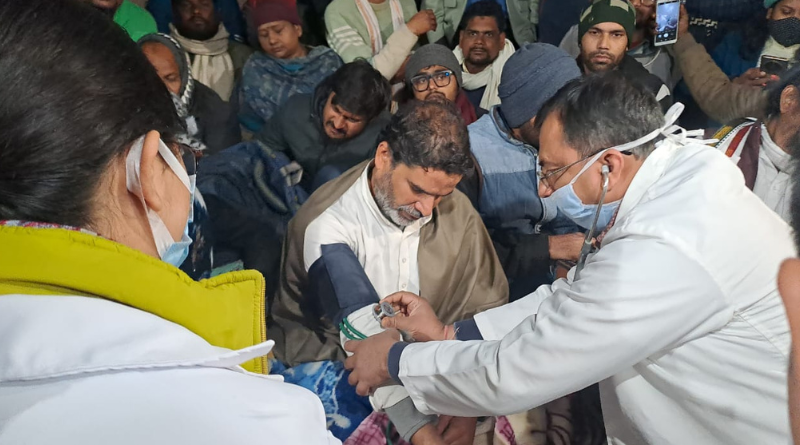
<point>272,11</point>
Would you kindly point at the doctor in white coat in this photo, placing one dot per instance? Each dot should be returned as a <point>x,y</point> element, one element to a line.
<point>676,314</point>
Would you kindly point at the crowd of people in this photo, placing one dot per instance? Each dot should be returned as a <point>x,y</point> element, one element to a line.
<point>399,222</point>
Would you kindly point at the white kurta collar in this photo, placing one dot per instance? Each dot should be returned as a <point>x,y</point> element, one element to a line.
<point>366,194</point>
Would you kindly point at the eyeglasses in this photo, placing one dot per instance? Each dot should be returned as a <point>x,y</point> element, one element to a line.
<point>545,177</point>
<point>422,82</point>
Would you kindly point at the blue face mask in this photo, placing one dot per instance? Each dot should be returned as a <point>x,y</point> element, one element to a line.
<point>178,251</point>
<point>169,250</point>
<point>583,214</point>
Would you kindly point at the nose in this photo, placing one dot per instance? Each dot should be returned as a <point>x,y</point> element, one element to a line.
<point>338,122</point>
<point>544,189</point>
<point>432,85</point>
<point>272,38</point>
<point>604,41</point>
<point>425,205</point>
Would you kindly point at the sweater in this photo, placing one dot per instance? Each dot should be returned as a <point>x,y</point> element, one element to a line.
<point>349,37</point>
<point>136,21</point>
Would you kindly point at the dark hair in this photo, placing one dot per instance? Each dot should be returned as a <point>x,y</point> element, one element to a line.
<point>484,8</point>
<point>773,106</point>
<point>604,110</point>
<point>429,134</point>
<point>359,88</point>
<point>74,99</point>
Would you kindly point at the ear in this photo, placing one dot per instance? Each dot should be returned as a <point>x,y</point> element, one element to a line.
<point>383,157</point>
<point>614,160</point>
<point>460,37</point>
<point>769,13</point>
<point>299,30</point>
<point>790,100</point>
<point>152,173</point>
<point>502,40</point>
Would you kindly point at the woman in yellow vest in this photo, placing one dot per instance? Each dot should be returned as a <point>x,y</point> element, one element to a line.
<point>103,340</point>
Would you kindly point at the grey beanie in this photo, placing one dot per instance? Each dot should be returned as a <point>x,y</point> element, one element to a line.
<point>531,76</point>
<point>433,54</point>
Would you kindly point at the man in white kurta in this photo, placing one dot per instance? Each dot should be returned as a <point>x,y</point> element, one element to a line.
<point>676,315</point>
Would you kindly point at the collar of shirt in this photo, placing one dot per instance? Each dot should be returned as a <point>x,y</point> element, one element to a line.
<point>780,160</point>
<point>366,194</point>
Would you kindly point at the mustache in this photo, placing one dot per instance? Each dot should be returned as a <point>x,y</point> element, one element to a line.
<point>411,211</point>
<point>601,53</point>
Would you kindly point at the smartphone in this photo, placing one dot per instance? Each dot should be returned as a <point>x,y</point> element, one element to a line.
<point>668,12</point>
<point>773,65</point>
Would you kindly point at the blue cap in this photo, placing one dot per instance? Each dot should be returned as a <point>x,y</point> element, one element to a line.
<point>531,76</point>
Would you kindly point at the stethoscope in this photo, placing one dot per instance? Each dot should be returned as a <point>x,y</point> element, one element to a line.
<point>587,242</point>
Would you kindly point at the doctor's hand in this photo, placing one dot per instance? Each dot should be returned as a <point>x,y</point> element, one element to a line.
<point>370,361</point>
<point>415,317</point>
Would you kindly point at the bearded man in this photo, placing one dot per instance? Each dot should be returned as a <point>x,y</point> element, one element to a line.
<point>392,223</point>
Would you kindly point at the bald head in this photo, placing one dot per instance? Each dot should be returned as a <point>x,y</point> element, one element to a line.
<point>163,60</point>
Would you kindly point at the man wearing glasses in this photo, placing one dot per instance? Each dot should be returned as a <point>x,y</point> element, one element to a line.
<point>676,313</point>
<point>433,73</point>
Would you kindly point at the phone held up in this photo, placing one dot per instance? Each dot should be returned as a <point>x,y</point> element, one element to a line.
<point>668,13</point>
<point>773,65</point>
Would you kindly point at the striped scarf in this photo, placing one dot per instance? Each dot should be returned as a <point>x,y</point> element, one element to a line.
<point>373,27</point>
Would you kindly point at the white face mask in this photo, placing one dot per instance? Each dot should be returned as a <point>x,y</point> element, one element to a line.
<point>169,250</point>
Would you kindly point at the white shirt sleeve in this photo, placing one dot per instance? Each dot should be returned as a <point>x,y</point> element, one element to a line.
<point>636,296</point>
<point>324,230</point>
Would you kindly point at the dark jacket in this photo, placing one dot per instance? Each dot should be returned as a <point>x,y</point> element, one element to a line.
<point>216,119</point>
<point>296,130</point>
<point>634,71</point>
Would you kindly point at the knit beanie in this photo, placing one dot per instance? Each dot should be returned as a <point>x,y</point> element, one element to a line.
<point>770,3</point>
<point>604,11</point>
<point>531,76</point>
<point>433,54</point>
<point>269,11</point>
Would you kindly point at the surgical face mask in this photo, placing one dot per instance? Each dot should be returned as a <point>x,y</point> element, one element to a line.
<point>169,250</point>
<point>785,31</point>
<point>583,214</point>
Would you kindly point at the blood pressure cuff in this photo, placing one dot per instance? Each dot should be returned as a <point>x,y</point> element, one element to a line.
<point>338,285</point>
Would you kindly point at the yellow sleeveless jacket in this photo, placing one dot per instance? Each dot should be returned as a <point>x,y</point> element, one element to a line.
<point>227,311</point>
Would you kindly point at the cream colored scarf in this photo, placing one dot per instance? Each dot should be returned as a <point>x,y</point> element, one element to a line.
<point>373,27</point>
<point>212,66</point>
<point>489,77</point>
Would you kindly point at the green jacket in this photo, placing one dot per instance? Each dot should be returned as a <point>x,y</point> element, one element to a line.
<point>136,21</point>
<point>523,15</point>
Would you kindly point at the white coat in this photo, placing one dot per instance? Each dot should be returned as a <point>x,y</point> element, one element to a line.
<point>677,316</point>
<point>78,370</point>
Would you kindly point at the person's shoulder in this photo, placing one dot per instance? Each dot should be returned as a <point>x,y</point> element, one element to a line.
<point>340,8</point>
<point>132,12</point>
<point>240,49</point>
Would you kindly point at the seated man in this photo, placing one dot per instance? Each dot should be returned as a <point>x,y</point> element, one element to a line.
<point>657,60</point>
<point>230,13</point>
<point>335,128</point>
<point>381,31</point>
<point>527,234</point>
<point>391,224</point>
<point>217,61</point>
<point>762,149</point>
<point>433,73</point>
<point>523,15</point>
<point>605,33</point>
<point>482,52</point>
<point>283,68</point>
<point>136,21</point>
<point>205,116</point>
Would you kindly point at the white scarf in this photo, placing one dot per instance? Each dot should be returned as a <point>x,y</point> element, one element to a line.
<point>212,66</point>
<point>373,27</point>
<point>489,77</point>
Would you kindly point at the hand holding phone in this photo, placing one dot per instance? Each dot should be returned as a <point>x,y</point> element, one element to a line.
<point>668,14</point>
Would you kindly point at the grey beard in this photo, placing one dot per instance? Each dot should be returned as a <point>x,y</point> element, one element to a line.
<point>384,197</point>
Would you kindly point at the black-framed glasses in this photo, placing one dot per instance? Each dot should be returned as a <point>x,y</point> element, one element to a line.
<point>421,82</point>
